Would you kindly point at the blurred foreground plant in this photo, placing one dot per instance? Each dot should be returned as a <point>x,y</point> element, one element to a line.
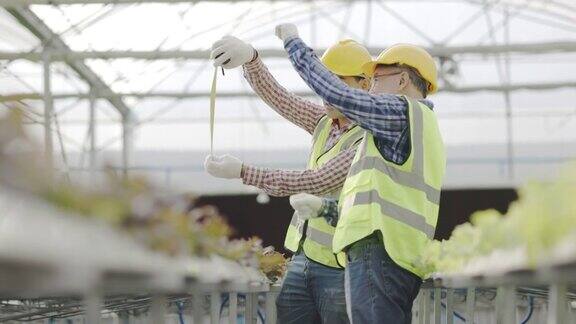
<point>165,222</point>
<point>543,217</point>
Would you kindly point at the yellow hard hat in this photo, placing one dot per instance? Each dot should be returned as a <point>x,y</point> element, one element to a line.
<point>346,58</point>
<point>410,55</point>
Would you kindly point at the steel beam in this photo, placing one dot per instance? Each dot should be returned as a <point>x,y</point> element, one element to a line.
<point>127,142</point>
<point>17,3</point>
<point>67,55</point>
<point>37,27</point>
<point>48,109</point>
<point>243,94</point>
<point>92,133</point>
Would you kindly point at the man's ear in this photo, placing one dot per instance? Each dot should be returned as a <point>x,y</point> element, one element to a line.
<point>403,80</point>
<point>365,83</point>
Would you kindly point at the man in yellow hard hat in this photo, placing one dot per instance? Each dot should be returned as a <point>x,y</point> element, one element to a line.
<point>389,203</point>
<point>313,290</point>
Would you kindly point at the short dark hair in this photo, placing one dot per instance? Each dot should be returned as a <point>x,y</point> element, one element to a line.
<point>417,80</point>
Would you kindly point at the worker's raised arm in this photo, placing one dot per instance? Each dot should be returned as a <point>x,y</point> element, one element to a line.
<point>230,52</point>
<point>378,113</point>
<point>322,181</point>
<point>301,112</point>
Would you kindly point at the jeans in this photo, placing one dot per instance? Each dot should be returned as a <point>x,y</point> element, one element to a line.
<point>377,289</point>
<point>312,293</point>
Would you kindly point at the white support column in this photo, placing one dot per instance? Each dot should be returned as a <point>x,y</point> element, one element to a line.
<point>215,307</point>
<point>92,134</point>
<point>420,300</point>
<point>93,302</point>
<point>557,304</point>
<point>48,109</point>
<point>424,307</point>
<point>158,309</point>
<point>271,307</point>
<point>233,308</point>
<point>506,305</point>
<point>251,309</point>
<point>127,141</point>
<point>507,99</point>
<point>437,305</point>
<point>197,307</point>
<point>470,304</point>
<point>449,306</point>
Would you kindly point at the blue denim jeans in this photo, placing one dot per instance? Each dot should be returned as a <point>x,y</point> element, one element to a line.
<point>377,289</point>
<point>312,293</point>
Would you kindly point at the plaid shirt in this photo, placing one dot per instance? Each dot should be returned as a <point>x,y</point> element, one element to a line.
<point>305,114</point>
<point>384,115</point>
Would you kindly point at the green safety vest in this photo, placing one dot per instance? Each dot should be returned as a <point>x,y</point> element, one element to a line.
<point>315,235</point>
<point>400,201</point>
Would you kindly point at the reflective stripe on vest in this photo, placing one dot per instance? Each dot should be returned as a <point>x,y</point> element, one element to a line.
<point>401,201</point>
<point>312,233</point>
<point>399,213</point>
<point>315,235</point>
<point>413,179</point>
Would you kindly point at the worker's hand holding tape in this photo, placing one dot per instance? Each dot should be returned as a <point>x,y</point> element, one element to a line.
<point>306,205</point>
<point>230,52</point>
<point>223,166</point>
<point>286,31</point>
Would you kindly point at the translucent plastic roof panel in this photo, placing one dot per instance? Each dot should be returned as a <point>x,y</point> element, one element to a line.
<point>476,28</point>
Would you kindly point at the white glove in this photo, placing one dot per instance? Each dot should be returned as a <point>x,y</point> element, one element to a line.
<point>306,205</point>
<point>286,31</point>
<point>224,166</point>
<point>230,52</point>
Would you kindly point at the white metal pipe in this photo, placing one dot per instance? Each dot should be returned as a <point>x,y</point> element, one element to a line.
<point>424,307</point>
<point>92,134</point>
<point>470,304</point>
<point>557,309</point>
<point>437,51</point>
<point>251,309</point>
<point>506,304</point>
<point>197,307</point>
<point>19,3</point>
<point>242,94</point>
<point>437,305</point>
<point>508,100</point>
<point>271,307</point>
<point>233,308</point>
<point>449,306</point>
<point>215,307</point>
<point>158,308</point>
<point>420,308</point>
<point>48,110</point>
<point>46,35</point>
<point>93,302</point>
<point>127,141</point>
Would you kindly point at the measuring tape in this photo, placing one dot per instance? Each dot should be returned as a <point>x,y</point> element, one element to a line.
<point>213,102</point>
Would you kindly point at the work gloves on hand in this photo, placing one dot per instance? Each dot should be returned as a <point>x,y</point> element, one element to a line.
<point>286,31</point>
<point>306,205</point>
<point>230,52</point>
<point>223,166</point>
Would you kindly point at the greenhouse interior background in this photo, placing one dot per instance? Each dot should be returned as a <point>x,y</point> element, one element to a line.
<point>124,85</point>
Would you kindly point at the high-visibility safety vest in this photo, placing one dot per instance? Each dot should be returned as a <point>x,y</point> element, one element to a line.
<point>316,234</point>
<point>400,201</point>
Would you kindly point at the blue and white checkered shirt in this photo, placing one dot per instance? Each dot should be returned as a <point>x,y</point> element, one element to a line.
<point>384,115</point>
